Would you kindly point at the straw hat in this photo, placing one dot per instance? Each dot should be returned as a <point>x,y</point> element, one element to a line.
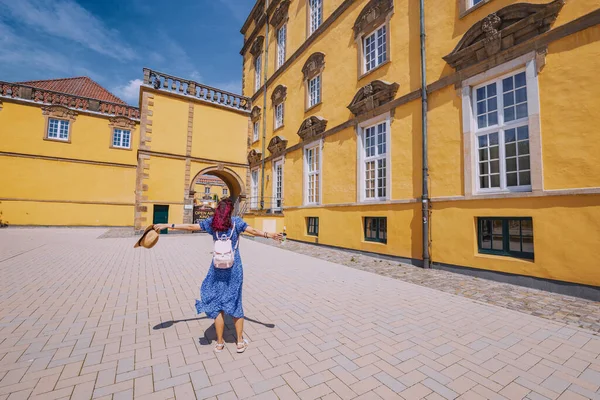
<point>148,239</point>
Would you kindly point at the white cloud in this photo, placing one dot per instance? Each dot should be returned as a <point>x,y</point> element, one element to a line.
<point>68,20</point>
<point>231,86</point>
<point>129,92</point>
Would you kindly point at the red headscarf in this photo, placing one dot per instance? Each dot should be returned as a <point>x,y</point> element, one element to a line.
<point>222,219</point>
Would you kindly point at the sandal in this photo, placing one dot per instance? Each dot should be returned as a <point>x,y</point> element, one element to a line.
<point>244,346</point>
<point>219,347</point>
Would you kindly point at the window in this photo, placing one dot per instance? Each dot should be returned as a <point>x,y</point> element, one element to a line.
<point>375,49</point>
<point>257,72</point>
<point>376,229</point>
<point>314,91</point>
<point>281,43</point>
<point>225,192</point>
<point>315,15</point>
<point>374,160</point>
<point>58,129</point>
<point>313,174</point>
<point>255,131</point>
<point>473,3</point>
<point>121,138</point>
<point>506,236</point>
<point>254,189</point>
<point>278,186</point>
<point>502,134</point>
<point>206,189</point>
<point>279,115</point>
<point>312,226</point>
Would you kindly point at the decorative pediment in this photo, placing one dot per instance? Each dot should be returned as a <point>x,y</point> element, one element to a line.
<point>280,14</point>
<point>255,114</point>
<point>254,157</point>
<point>502,30</point>
<point>311,127</point>
<point>59,112</point>
<point>314,65</point>
<point>259,11</point>
<point>372,96</point>
<point>279,94</point>
<point>257,46</point>
<point>374,14</point>
<point>122,122</point>
<point>277,145</point>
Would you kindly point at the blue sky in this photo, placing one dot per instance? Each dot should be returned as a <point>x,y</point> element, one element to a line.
<point>112,40</point>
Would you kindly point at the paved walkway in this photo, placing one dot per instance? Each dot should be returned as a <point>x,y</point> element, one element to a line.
<point>566,309</point>
<point>86,318</point>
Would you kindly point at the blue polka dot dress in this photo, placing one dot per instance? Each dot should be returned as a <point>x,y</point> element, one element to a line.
<point>221,290</point>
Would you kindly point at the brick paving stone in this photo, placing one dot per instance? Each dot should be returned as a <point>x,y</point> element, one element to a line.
<point>111,322</point>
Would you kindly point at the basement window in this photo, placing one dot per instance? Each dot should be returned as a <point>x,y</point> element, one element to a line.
<point>511,237</point>
<point>312,224</point>
<point>376,229</point>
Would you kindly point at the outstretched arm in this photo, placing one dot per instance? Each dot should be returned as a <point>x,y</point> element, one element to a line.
<point>178,227</point>
<point>270,235</point>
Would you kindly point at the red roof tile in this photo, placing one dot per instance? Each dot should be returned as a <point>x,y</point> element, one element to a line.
<point>209,180</point>
<point>80,86</point>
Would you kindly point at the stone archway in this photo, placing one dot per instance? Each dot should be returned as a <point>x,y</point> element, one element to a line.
<point>235,184</point>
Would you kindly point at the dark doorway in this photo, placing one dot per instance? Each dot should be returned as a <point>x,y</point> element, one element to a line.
<point>161,216</point>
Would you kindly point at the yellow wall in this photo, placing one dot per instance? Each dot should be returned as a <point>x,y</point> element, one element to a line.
<point>569,143</point>
<point>566,230</point>
<point>42,191</point>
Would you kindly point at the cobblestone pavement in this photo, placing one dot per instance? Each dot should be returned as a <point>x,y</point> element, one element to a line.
<point>566,309</point>
<point>83,318</point>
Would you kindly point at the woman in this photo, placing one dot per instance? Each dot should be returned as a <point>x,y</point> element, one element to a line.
<point>221,291</point>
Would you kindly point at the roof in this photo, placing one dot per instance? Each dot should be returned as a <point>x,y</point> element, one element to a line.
<point>81,86</point>
<point>209,180</point>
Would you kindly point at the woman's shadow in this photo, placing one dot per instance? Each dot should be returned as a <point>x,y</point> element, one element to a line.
<point>210,334</point>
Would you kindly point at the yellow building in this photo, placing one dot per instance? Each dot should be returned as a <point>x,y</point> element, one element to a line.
<point>466,142</point>
<point>511,166</point>
<point>68,154</point>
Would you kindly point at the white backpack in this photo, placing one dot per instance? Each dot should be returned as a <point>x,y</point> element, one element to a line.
<point>223,251</point>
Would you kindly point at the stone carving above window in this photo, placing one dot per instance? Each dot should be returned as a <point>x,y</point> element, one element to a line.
<point>122,123</point>
<point>311,127</point>
<point>313,66</point>
<point>59,112</point>
<point>255,114</point>
<point>502,30</point>
<point>374,14</point>
<point>258,13</point>
<point>372,96</point>
<point>0,104</point>
<point>277,145</point>
<point>257,46</point>
<point>280,14</point>
<point>254,157</point>
<point>279,94</point>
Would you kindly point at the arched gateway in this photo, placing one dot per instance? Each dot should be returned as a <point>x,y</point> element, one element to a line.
<point>187,130</point>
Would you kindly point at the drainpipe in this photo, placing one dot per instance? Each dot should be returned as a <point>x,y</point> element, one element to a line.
<point>425,196</point>
<point>265,62</point>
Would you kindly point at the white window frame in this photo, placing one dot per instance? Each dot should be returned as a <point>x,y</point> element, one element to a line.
<point>365,68</point>
<point>122,133</point>
<point>254,187</point>
<point>319,94</point>
<point>255,131</point>
<point>471,3</point>
<point>225,192</point>
<point>362,159</point>
<point>206,189</point>
<point>257,72</point>
<point>61,123</point>
<point>281,45</point>
<point>279,115</point>
<point>317,144</point>
<point>276,163</point>
<point>471,132</point>
<point>315,15</point>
